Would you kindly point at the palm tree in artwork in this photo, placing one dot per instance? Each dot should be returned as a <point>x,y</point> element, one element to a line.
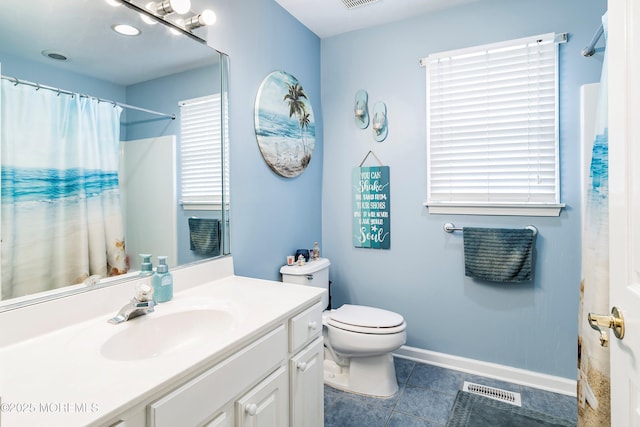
<point>294,96</point>
<point>305,120</point>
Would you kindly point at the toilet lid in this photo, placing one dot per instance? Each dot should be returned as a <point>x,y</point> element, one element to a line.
<point>366,317</point>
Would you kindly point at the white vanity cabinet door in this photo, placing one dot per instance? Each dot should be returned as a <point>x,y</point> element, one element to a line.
<point>305,326</point>
<point>307,386</point>
<point>265,405</point>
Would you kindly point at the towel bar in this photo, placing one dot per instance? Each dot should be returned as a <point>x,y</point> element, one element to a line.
<point>450,228</point>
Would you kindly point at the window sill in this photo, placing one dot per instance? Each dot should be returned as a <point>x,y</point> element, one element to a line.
<point>495,209</point>
<point>202,206</point>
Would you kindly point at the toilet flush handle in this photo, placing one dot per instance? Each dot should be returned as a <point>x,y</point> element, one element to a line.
<point>309,276</point>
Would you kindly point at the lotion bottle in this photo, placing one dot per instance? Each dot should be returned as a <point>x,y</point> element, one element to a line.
<point>162,281</point>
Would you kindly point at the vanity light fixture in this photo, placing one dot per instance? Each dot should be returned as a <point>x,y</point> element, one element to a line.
<point>125,29</point>
<point>166,7</point>
<point>206,17</point>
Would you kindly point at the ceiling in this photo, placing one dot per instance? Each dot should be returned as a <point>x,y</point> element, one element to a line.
<point>328,18</point>
<point>84,35</point>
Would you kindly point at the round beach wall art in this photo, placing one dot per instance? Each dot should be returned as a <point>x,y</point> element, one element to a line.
<point>285,127</point>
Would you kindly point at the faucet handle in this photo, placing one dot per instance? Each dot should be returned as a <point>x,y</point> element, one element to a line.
<point>144,292</point>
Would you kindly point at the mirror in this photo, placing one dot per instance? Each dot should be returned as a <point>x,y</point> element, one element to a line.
<point>68,48</point>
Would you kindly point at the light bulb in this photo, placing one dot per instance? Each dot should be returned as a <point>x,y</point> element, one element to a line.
<point>169,6</point>
<point>206,17</point>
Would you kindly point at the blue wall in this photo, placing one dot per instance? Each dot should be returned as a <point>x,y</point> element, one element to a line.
<point>271,216</point>
<point>531,326</point>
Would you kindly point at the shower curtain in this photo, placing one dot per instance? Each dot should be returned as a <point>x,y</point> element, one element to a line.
<point>61,218</point>
<point>593,359</point>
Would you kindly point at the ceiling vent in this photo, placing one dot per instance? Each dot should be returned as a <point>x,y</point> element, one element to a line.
<point>352,4</point>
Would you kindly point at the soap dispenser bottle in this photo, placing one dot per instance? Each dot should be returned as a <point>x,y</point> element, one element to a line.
<point>146,268</point>
<point>162,281</point>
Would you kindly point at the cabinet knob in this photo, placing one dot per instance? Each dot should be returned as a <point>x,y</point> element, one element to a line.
<point>251,409</point>
<point>302,366</point>
<point>313,325</point>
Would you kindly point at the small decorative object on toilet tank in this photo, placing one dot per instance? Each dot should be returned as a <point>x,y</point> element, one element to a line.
<point>162,281</point>
<point>315,252</point>
<point>301,260</point>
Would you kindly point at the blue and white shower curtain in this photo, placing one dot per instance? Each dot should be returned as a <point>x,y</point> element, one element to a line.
<point>61,217</point>
<point>593,359</point>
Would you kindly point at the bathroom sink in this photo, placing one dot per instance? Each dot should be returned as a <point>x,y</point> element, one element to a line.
<point>156,335</point>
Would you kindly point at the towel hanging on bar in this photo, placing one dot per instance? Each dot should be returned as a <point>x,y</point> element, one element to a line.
<point>498,254</point>
<point>204,236</point>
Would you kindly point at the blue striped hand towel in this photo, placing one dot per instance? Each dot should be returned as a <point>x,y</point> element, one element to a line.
<point>498,254</point>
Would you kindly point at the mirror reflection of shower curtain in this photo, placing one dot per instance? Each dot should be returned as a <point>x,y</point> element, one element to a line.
<point>61,217</point>
<point>593,360</point>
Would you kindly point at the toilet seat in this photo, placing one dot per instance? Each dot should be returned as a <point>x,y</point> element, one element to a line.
<point>367,320</point>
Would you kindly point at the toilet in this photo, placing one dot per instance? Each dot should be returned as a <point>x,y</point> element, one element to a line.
<point>358,339</point>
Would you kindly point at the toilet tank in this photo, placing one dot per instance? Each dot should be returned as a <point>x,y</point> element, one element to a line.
<point>312,273</point>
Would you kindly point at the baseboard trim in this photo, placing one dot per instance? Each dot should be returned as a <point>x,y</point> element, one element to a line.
<point>491,370</point>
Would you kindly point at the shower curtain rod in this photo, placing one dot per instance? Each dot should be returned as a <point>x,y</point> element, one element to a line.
<point>38,86</point>
<point>590,49</point>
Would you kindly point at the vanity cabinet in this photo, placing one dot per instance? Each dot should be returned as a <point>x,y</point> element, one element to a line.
<point>275,381</point>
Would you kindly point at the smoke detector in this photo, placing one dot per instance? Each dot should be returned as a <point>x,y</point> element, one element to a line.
<point>351,4</point>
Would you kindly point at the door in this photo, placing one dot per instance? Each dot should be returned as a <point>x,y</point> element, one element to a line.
<point>623,47</point>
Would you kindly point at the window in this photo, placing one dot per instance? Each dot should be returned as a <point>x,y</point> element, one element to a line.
<point>202,154</point>
<point>492,128</point>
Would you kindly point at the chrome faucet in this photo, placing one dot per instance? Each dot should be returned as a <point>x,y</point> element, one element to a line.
<point>139,305</point>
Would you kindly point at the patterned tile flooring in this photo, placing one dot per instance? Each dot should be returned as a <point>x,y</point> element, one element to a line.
<point>425,398</point>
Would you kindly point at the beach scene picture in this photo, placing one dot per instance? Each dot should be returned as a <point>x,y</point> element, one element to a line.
<point>284,124</point>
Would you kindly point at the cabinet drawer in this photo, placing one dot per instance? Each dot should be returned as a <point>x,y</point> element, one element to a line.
<point>305,326</point>
<point>200,398</point>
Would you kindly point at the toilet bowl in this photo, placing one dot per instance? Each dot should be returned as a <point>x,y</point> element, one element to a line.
<point>358,339</point>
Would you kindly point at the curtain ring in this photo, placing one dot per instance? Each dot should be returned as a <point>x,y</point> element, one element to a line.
<point>58,92</point>
<point>17,82</point>
<point>37,87</point>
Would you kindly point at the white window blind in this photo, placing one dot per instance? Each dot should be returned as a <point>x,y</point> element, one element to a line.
<point>201,149</point>
<point>492,125</point>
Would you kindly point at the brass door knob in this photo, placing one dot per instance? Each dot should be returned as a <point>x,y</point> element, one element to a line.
<point>615,321</point>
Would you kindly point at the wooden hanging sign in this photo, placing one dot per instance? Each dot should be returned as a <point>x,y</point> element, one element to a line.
<point>371,207</point>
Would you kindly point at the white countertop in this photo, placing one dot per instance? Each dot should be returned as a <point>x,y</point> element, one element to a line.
<point>62,378</point>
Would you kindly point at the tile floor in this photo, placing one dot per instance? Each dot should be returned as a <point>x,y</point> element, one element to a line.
<point>425,398</point>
